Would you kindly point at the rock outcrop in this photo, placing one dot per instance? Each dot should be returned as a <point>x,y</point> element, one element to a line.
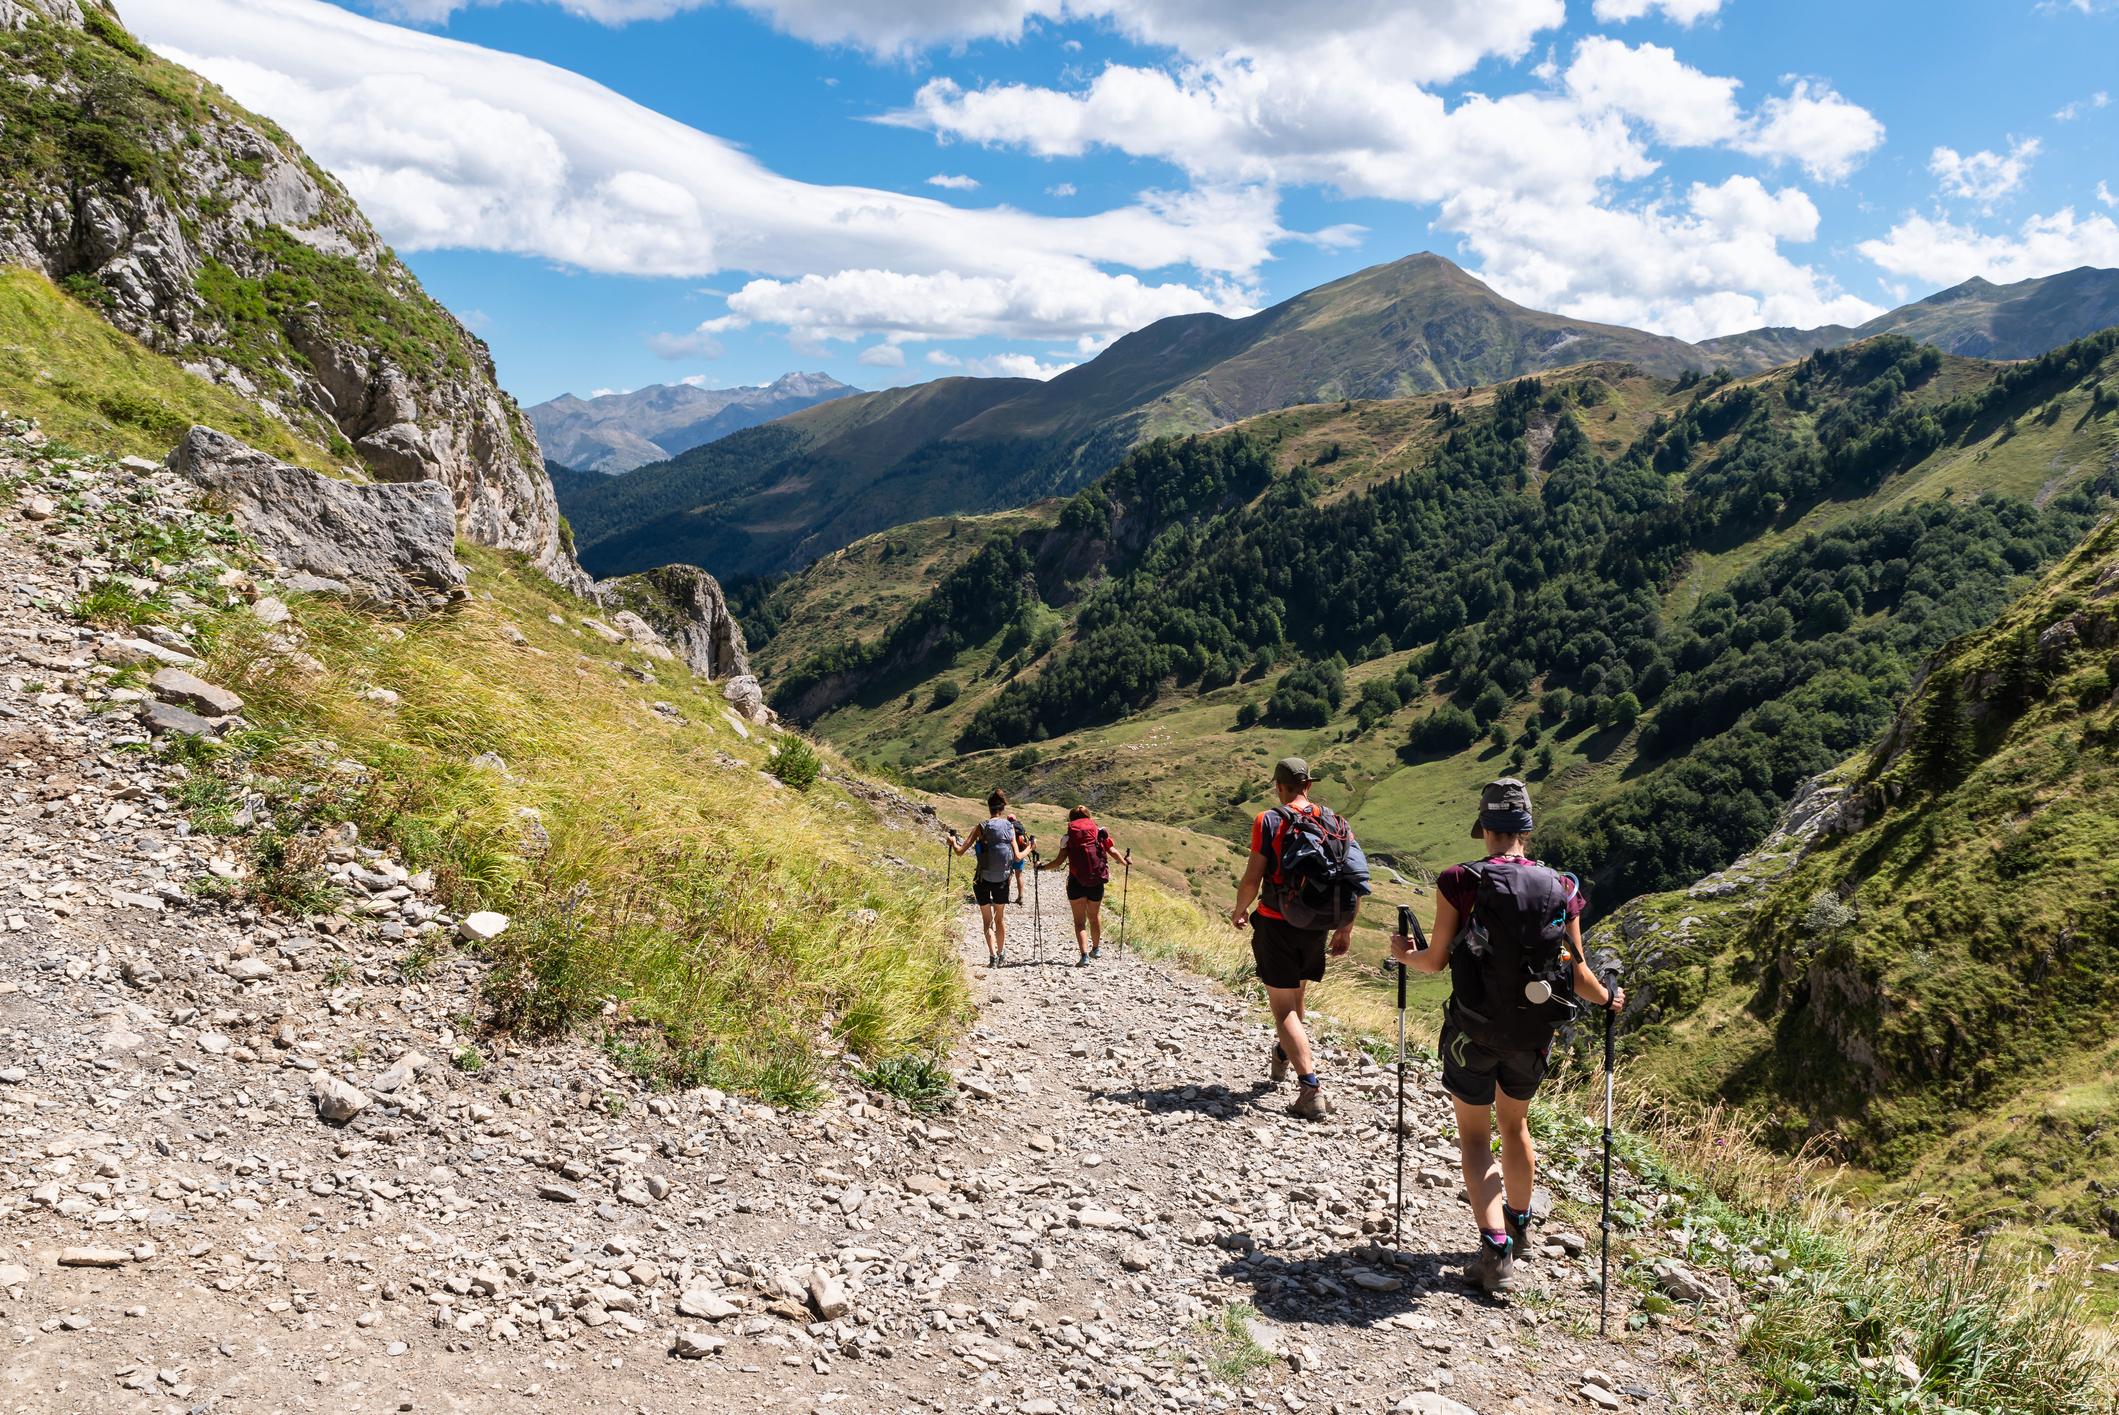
<point>217,241</point>
<point>685,607</point>
<point>392,544</point>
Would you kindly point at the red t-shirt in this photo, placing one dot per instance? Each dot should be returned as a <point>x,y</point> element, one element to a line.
<point>1462,891</point>
<point>1265,830</point>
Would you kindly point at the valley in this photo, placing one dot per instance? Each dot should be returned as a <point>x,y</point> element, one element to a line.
<point>479,932</point>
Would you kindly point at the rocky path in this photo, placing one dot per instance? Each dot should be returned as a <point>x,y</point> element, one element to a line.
<point>1111,1196</point>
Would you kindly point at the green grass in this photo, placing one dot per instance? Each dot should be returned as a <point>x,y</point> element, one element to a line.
<point>922,1082</point>
<point>91,386</point>
<point>1942,1020</point>
<point>723,943</point>
<point>1232,1353</point>
<point>720,943</point>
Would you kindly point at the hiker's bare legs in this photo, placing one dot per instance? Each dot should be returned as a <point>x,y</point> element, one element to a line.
<point>1080,908</point>
<point>1485,1176</point>
<point>1482,1172</point>
<point>1519,1157</point>
<point>1095,912</point>
<point>1287,1021</point>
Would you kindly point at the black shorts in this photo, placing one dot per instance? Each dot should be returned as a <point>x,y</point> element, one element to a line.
<point>1470,1071</point>
<point>1091,890</point>
<point>989,891</point>
<point>1287,957</point>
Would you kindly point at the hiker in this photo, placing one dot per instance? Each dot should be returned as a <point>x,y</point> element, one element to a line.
<point>1086,852</point>
<point>1000,843</point>
<point>1300,854</point>
<point>1510,932</point>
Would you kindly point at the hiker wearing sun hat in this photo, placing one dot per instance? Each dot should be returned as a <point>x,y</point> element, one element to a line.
<point>1307,875</point>
<point>1509,930</point>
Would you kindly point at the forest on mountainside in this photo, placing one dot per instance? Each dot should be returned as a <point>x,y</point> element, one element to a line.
<point>1523,563</point>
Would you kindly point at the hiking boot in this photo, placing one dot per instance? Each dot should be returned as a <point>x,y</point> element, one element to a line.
<point>1082,961</point>
<point>1278,1064</point>
<point>1310,1104</point>
<point>1518,1226</point>
<point>1097,951</point>
<point>1494,1270</point>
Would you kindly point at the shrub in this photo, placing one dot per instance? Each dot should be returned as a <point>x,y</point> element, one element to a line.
<point>1445,730</point>
<point>795,762</point>
<point>946,692</point>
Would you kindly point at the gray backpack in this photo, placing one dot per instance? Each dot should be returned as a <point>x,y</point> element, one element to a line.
<point>996,849</point>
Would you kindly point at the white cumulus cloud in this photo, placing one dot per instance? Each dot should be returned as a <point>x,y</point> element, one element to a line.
<point>956,183</point>
<point>1815,128</point>
<point>1683,12</point>
<point>852,304</point>
<point>1984,177</point>
<point>1709,265</point>
<point>1680,104</point>
<point>449,145</point>
<point>1945,253</point>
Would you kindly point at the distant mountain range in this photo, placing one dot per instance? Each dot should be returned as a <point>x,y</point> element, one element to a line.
<point>1978,318</point>
<point>776,497</point>
<point>616,432</point>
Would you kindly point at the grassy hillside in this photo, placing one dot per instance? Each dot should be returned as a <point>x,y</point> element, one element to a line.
<point>596,794</point>
<point>1760,565</point>
<point>779,497</point>
<point>89,385</point>
<point>1929,988</point>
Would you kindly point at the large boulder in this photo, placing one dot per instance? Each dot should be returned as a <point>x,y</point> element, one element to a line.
<point>686,608</point>
<point>393,544</point>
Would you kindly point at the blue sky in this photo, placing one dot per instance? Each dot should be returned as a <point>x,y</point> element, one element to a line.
<point>725,191</point>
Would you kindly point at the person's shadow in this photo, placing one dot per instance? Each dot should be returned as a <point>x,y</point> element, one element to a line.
<point>1350,1288</point>
<point>1214,1099</point>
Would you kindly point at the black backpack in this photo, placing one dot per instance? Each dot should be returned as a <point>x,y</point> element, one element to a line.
<point>1320,872</point>
<point>1512,973</point>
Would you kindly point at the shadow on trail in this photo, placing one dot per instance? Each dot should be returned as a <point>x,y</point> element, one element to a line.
<point>1329,1288</point>
<point>1215,1100</point>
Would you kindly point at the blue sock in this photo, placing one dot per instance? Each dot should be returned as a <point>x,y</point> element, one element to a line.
<point>1309,1080</point>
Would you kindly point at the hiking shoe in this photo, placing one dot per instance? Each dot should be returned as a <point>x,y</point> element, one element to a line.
<point>1310,1104</point>
<point>1518,1226</point>
<point>1494,1270</point>
<point>1097,952</point>
<point>1277,1064</point>
<point>1082,961</point>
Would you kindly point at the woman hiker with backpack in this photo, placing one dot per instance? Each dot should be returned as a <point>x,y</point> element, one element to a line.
<point>1510,932</point>
<point>1000,843</point>
<point>1086,852</point>
<point>1308,875</point>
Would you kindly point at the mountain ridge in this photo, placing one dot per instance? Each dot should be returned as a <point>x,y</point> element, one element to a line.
<point>614,433</point>
<point>774,498</point>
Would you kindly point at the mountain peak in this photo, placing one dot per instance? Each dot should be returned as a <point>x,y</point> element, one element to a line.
<point>616,432</point>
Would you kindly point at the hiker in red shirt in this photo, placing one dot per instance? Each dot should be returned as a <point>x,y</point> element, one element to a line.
<point>1288,958</point>
<point>1086,852</point>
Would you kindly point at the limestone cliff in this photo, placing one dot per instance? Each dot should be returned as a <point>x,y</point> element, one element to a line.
<point>203,230</point>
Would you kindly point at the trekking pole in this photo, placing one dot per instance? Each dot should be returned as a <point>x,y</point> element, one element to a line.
<point>1037,908</point>
<point>1409,926</point>
<point>949,864</point>
<point>1125,893</point>
<point>1611,979</point>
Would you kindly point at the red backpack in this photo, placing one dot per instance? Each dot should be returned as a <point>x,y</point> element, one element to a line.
<point>1086,857</point>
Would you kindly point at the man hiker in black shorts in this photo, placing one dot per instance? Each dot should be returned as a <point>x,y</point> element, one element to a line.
<point>1289,954</point>
<point>1000,843</point>
<point>1510,932</point>
<point>1086,852</point>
